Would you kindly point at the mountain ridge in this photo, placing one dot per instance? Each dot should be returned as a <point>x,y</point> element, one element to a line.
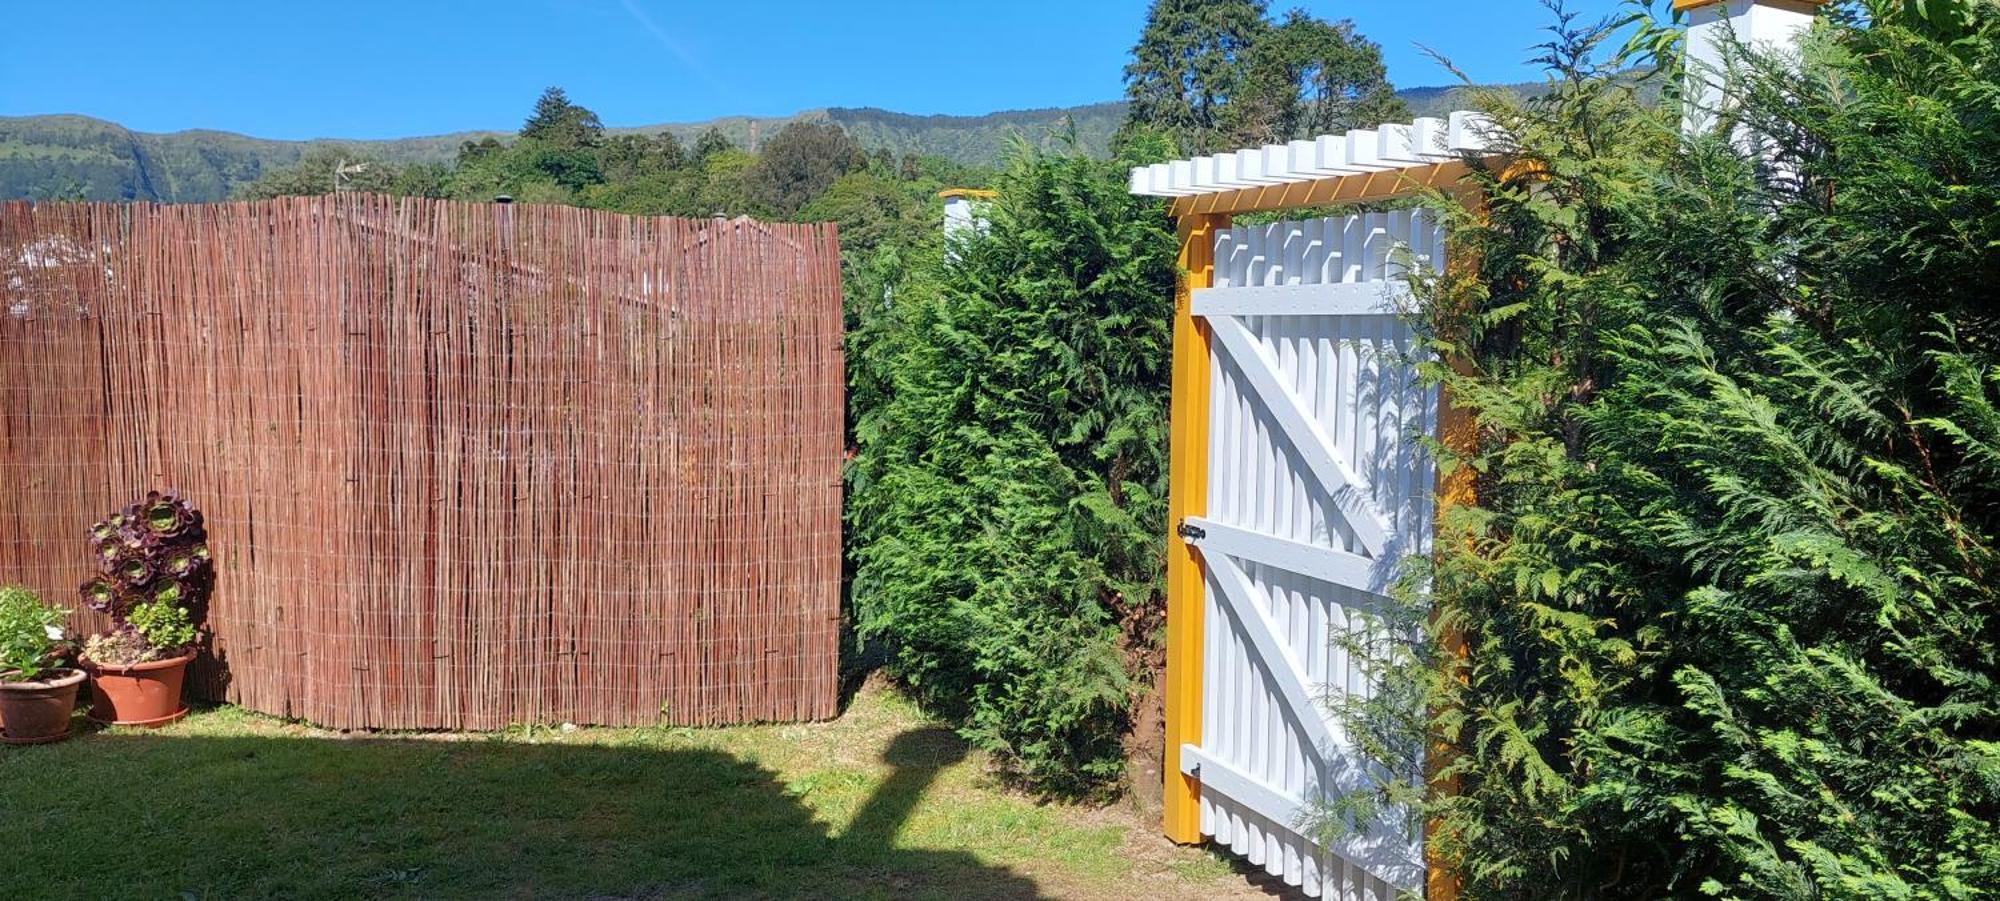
<point>71,156</point>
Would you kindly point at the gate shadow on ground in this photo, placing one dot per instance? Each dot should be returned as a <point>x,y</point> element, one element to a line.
<point>209,817</point>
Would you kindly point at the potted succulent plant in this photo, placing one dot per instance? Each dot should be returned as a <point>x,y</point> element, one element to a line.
<point>154,579</point>
<point>37,693</point>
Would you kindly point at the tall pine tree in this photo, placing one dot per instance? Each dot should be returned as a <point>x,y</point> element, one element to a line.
<point>561,124</point>
<point>1188,64</point>
<point>1217,74</point>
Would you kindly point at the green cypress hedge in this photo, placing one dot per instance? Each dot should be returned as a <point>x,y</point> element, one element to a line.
<point>1007,503</point>
<point>1729,594</point>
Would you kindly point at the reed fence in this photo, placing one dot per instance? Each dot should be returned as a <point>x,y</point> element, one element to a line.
<point>463,465</point>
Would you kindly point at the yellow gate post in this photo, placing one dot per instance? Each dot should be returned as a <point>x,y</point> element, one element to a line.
<point>1458,433</point>
<point>1187,495</point>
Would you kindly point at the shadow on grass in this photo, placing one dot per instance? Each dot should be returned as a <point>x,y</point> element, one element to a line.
<point>122,815</point>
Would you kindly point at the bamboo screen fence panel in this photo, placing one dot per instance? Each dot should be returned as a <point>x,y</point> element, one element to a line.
<point>462,465</point>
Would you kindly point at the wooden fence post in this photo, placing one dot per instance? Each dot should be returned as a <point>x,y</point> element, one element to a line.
<point>1187,495</point>
<point>1458,433</point>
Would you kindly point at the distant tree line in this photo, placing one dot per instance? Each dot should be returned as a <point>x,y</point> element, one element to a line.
<point>808,170</point>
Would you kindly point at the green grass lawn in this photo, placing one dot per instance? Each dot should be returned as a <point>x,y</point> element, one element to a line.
<point>878,804</point>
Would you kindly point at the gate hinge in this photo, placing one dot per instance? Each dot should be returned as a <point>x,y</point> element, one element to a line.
<point>1191,532</point>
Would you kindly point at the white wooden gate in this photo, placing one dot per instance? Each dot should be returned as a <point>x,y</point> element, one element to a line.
<point>1317,486</point>
<point>1299,482</point>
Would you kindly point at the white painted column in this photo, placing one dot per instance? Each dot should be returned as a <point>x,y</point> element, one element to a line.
<point>963,209</point>
<point>1771,26</point>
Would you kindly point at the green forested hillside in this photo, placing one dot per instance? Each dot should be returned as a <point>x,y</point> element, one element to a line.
<point>78,157</point>
<point>978,140</point>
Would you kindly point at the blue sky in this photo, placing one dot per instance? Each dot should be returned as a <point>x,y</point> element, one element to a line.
<point>373,69</point>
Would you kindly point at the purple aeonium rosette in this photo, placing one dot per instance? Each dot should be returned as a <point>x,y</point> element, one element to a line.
<point>166,515</point>
<point>101,594</point>
<point>152,556</point>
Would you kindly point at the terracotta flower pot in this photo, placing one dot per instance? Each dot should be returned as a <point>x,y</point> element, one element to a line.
<point>32,713</point>
<point>143,694</point>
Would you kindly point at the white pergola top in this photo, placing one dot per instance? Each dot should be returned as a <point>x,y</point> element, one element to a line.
<point>1384,148</point>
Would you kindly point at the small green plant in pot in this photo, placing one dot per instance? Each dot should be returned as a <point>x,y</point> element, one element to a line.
<point>37,691</point>
<point>154,578</point>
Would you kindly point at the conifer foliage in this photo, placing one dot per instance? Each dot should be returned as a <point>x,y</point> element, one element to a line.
<point>1007,500</point>
<point>1728,596</point>
<point>1216,75</point>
